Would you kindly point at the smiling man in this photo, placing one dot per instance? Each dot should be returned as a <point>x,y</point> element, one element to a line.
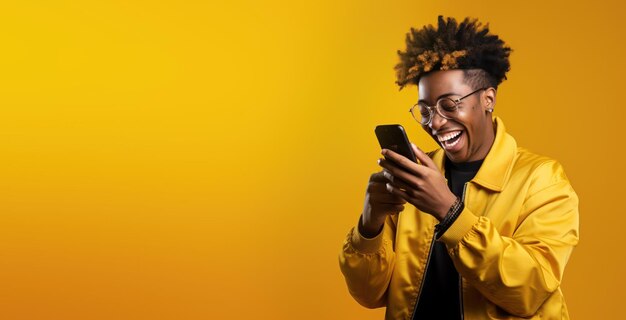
<point>494,224</point>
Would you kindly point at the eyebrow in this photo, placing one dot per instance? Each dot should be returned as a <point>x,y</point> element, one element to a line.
<point>441,96</point>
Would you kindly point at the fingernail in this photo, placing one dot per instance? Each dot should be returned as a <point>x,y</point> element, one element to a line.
<point>389,187</point>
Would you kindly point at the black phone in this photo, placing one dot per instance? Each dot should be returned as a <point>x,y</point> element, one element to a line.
<point>393,137</point>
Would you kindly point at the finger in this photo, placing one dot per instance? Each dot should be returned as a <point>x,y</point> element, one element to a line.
<point>386,198</point>
<point>388,175</point>
<point>397,182</point>
<point>391,208</point>
<point>377,187</point>
<point>423,157</point>
<point>379,193</point>
<point>379,177</point>
<point>410,190</point>
<point>401,161</point>
<point>396,173</point>
<point>399,192</point>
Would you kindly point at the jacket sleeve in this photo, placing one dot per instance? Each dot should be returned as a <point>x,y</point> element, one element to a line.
<point>367,264</point>
<point>519,273</point>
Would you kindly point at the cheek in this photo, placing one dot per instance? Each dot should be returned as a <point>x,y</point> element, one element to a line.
<point>470,131</point>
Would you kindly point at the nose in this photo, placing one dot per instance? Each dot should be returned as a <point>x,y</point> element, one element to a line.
<point>437,121</point>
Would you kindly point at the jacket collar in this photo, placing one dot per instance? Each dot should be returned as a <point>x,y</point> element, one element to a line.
<point>496,168</point>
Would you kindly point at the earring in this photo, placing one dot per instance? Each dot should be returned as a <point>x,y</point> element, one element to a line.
<point>490,110</point>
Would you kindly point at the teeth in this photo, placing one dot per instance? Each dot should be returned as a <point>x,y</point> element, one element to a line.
<point>448,145</point>
<point>448,136</point>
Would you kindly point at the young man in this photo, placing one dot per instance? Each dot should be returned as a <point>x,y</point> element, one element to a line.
<point>494,224</point>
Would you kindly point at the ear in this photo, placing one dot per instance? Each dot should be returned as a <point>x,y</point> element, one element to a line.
<point>489,99</point>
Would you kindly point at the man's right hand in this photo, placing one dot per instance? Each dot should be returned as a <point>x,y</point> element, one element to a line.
<point>379,203</point>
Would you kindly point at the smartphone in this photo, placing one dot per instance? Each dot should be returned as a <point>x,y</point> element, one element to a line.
<point>393,137</point>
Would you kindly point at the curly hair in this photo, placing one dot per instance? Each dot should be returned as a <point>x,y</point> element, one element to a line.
<point>468,45</point>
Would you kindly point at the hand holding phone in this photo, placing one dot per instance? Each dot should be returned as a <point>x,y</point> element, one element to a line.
<point>379,202</point>
<point>434,196</point>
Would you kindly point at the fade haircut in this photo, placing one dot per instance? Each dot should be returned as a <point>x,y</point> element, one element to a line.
<point>483,57</point>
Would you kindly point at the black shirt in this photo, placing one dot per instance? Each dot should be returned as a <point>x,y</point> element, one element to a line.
<point>440,296</point>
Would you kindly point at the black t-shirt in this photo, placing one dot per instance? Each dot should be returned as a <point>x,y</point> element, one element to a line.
<point>440,296</point>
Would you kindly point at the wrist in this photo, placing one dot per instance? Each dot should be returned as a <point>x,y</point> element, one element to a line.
<point>445,208</point>
<point>369,228</point>
<point>450,217</point>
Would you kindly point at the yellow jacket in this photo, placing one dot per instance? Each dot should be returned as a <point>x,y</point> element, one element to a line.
<point>510,244</point>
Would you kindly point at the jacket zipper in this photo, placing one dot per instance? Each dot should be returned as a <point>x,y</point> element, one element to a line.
<point>419,291</point>
<point>461,296</point>
<point>461,278</point>
<point>432,243</point>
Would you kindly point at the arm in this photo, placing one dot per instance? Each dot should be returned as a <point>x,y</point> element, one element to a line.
<point>367,261</point>
<point>519,273</point>
<point>367,264</point>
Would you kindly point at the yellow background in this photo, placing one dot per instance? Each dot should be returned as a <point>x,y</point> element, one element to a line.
<point>199,160</point>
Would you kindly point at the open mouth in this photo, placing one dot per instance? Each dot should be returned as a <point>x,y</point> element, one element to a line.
<point>450,139</point>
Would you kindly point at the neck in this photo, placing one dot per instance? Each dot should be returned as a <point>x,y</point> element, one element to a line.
<point>490,137</point>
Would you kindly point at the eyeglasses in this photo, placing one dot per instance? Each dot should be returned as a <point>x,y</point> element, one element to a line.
<point>445,107</point>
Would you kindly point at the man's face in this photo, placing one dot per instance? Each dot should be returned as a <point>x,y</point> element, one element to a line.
<point>468,136</point>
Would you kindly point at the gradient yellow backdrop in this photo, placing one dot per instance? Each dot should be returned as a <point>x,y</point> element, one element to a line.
<point>204,160</point>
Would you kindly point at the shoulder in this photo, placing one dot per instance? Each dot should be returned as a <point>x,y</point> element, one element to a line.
<point>541,171</point>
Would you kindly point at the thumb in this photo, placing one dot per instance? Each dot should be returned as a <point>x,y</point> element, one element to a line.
<point>423,157</point>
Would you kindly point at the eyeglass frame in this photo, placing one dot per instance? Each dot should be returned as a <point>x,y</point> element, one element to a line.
<point>436,107</point>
